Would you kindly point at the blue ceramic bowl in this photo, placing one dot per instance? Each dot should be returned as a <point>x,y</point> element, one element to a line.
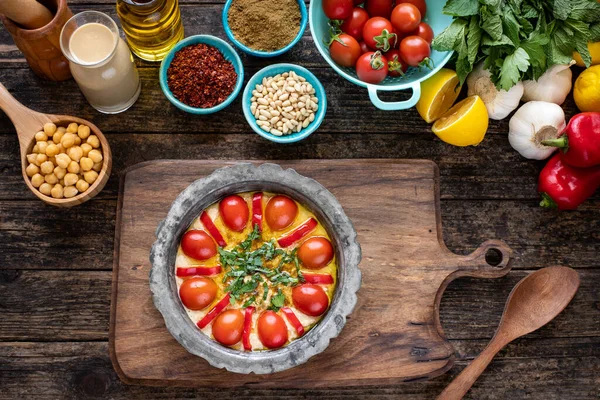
<point>265,54</point>
<point>229,54</point>
<point>273,70</point>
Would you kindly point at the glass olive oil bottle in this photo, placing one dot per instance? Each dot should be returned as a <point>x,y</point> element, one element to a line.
<point>152,27</point>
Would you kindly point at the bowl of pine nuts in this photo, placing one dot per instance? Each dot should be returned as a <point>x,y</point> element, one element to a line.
<point>284,103</point>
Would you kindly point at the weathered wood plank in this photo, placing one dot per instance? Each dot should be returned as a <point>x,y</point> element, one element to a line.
<point>74,305</point>
<point>528,369</point>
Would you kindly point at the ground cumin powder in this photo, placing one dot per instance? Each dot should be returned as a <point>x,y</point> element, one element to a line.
<point>265,25</point>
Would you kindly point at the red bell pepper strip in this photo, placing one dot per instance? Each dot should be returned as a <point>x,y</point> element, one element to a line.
<point>580,142</point>
<point>257,214</point>
<point>323,279</point>
<point>298,233</point>
<point>202,271</point>
<point>247,328</point>
<point>293,320</point>
<point>216,310</point>
<point>565,187</point>
<point>212,229</point>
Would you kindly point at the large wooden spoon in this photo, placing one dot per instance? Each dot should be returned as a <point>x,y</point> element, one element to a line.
<point>27,122</point>
<point>535,301</point>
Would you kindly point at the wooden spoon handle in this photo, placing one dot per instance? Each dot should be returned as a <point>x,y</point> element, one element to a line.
<point>28,13</point>
<point>463,382</point>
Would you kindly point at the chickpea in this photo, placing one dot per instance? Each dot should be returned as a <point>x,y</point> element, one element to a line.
<point>47,167</point>
<point>51,179</point>
<point>36,149</point>
<point>32,159</point>
<point>41,136</point>
<point>73,127</point>
<point>95,156</point>
<point>52,150</point>
<point>40,159</point>
<point>75,153</point>
<point>71,179</point>
<point>37,180</point>
<point>86,164</point>
<point>97,166</point>
<point>57,191</point>
<point>70,191</point>
<point>63,160</point>
<point>60,172</point>
<point>86,149</point>
<point>73,167</point>
<point>83,131</point>
<point>93,141</point>
<point>77,140</point>
<point>46,189</point>
<point>31,170</point>
<point>42,147</point>
<point>49,128</point>
<point>90,176</point>
<point>82,185</point>
<point>68,140</point>
<point>58,137</point>
<point>61,129</point>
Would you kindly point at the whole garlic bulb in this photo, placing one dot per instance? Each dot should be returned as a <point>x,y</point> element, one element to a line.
<point>499,103</point>
<point>553,86</point>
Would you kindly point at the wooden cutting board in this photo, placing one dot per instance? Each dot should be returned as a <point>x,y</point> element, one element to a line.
<point>393,335</point>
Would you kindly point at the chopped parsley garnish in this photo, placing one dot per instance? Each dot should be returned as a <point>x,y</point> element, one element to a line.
<point>277,301</point>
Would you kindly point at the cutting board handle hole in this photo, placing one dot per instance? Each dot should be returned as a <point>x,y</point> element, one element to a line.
<point>493,257</point>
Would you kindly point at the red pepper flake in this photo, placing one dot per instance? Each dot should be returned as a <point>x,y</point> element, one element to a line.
<point>200,76</point>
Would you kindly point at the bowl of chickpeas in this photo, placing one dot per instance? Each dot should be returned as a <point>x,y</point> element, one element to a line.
<point>68,163</point>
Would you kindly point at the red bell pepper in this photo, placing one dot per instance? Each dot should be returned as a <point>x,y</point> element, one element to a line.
<point>565,187</point>
<point>247,328</point>
<point>200,270</point>
<point>212,229</point>
<point>580,142</point>
<point>298,233</point>
<point>323,279</point>
<point>257,213</point>
<point>289,314</point>
<point>216,310</point>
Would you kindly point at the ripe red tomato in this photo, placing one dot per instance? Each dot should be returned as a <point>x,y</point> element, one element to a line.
<point>396,67</point>
<point>420,4</point>
<point>310,299</point>
<point>272,330</point>
<point>197,293</point>
<point>315,253</point>
<point>379,8</point>
<point>198,244</point>
<point>363,47</point>
<point>424,31</point>
<point>228,327</point>
<point>372,68</point>
<point>234,212</point>
<point>354,24</point>
<point>405,17</point>
<point>280,212</point>
<point>347,53</point>
<point>338,9</point>
<point>414,49</point>
<point>378,34</point>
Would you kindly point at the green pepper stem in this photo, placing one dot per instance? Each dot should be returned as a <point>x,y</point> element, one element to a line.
<point>547,201</point>
<point>561,142</point>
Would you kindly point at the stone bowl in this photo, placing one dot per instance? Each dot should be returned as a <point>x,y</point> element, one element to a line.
<point>242,178</point>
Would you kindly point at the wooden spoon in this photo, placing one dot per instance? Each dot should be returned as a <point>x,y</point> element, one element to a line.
<point>535,301</point>
<point>27,122</point>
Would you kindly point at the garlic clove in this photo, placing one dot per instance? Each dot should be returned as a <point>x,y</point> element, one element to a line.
<point>499,103</point>
<point>553,86</point>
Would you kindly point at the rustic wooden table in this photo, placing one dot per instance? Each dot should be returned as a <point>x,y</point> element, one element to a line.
<point>55,265</point>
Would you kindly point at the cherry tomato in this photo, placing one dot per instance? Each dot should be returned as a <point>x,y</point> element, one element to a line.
<point>197,293</point>
<point>405,17</point>
<point>372,68</point>
<point>198,244</point>
<point>396,67</point>
<point>379,8</point>
<point>315,253</point>
<point>363,47</point>
<point>234,212</point>
<point>338,9</point>
<point>378,34</point>
<point>310,299</point>
<point>354,24</point>
<point>280,212</point>
<point>414,49</point>
<point>347,53</point>
<point>420,4</point>
<point>424,31</point>
<point>228,327</point>
<point>272,330</point>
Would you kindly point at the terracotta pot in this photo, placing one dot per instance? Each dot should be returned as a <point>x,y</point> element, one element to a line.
<point>41,47</point>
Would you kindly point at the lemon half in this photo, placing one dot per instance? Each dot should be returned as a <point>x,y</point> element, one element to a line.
<point>465,124</point>
<point>438,93</point>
